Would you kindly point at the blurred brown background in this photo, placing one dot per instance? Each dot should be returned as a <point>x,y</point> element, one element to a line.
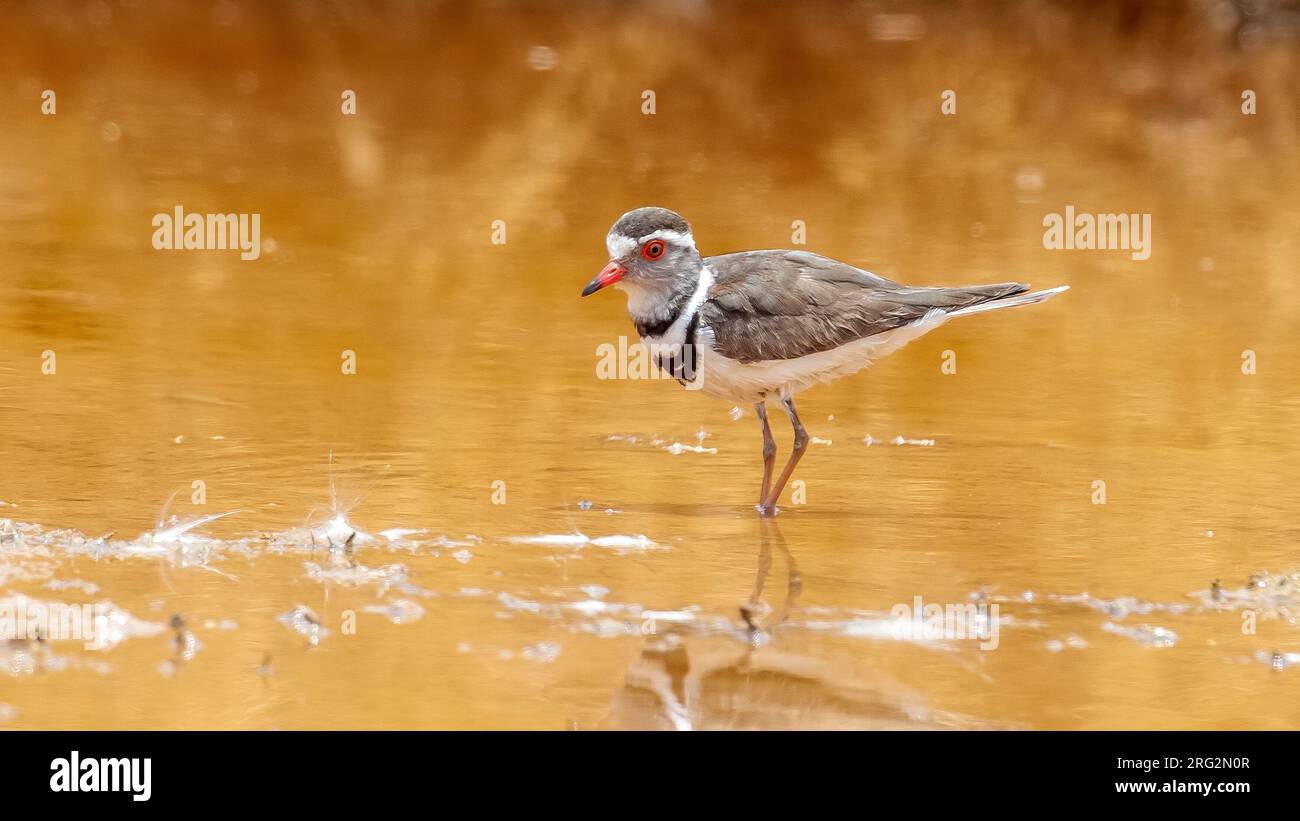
<point>476,361</point>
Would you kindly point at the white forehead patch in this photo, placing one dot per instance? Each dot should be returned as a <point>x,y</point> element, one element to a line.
<point>620,245</point>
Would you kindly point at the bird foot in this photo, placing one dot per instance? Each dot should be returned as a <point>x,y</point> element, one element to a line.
<point>753,613</point>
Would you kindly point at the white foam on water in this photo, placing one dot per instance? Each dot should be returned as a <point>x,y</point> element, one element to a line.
<point>179,532</point>
<point>677,448</point>
<point>553,539</point>
<point>108,625</point>
<point>389,576</point>
<point>398,611</point>
<point>1152,635</point>
<point>616,542</point>
<point>541,653</point>
<point>304,621</point>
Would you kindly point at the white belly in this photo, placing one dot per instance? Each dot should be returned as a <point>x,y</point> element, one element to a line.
<point>749,382</point>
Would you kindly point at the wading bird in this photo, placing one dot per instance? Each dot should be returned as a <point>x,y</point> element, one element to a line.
<point>759,325</point>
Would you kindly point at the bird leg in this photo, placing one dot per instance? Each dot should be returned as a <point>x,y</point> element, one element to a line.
<point>769,451</point>
<point>755,611</point>
<point>768,507</point>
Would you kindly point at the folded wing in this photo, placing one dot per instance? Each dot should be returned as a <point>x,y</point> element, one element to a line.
<point>769,305</point>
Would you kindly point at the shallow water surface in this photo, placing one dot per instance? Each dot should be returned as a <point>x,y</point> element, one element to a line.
<point>474,531</point>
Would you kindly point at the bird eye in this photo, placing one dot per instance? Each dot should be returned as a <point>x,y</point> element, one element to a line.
<point>653,249</point>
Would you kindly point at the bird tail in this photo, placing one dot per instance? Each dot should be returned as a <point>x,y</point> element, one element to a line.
<point>1011,301</point>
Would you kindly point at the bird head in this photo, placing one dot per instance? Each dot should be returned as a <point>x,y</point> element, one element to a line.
<point>650,248</point>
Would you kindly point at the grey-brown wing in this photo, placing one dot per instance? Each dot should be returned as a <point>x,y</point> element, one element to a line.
<point>767,305</point>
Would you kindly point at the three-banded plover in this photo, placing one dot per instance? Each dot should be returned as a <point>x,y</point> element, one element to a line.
<point>756,325</point>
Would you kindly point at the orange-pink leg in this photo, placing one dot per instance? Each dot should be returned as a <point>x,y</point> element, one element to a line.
<point>768,505</point>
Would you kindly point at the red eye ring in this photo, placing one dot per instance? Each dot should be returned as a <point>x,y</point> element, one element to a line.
<point>653,249</point>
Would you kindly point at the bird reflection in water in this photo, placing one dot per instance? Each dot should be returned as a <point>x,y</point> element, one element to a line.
<point>755,677</point>
<point>756,611</point>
